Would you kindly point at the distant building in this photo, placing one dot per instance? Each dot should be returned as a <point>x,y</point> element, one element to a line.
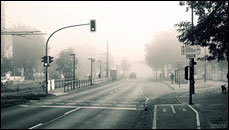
<point>6,40</point>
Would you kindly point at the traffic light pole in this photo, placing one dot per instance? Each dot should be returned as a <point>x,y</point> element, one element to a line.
<point>191,81</point>
<point>46,52</point>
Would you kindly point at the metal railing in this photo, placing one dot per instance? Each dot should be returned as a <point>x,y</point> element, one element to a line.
<point>70,84</point>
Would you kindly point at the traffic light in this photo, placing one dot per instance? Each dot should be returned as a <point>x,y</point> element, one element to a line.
<point>186,72</point>
<point>44,59</point>
<point>93,29</point>
<point>50,59</point>
<point>194,63</point>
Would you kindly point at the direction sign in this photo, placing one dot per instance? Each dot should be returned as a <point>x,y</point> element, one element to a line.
<point>187,50</point>
<point>190,56</point>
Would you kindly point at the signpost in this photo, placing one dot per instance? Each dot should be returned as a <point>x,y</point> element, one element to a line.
<point>188,50</point>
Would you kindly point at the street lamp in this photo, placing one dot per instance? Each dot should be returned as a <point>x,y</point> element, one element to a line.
<point>73,56</point>
<point>100,74</point>
<point>92,60</point>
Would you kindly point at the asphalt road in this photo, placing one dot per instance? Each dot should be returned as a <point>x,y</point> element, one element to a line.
<point>119,105</point>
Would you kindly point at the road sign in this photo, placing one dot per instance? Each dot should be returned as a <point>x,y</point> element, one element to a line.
<point>187,50</point>
<point>190,56</point>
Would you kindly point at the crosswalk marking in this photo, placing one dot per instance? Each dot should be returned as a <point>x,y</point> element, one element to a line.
<point>173,109</point>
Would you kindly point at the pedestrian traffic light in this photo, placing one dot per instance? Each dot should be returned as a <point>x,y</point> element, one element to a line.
<point>50,59</point>
<point>44,59</point>
<point>186,72</point>
<point>93,29</point>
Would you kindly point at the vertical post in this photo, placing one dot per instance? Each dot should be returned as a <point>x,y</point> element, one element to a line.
<point>107,73</point>
<point>191,81</point>
<point>179,76</point>
<point>205,67</point>
<point>124,66</point>
<point>91,71</point>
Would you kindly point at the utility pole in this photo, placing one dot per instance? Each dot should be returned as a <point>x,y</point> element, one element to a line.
<point>100,69</point>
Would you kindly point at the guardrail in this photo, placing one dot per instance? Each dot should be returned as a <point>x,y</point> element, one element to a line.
<point>70,84</point>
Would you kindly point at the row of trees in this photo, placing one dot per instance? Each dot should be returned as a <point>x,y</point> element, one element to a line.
<point>211,31</point>
<point>63,65</point>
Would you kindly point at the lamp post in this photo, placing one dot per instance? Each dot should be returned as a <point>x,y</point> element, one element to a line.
<point>92,60</point>
<point>73,56</point>
<point>100,69</point>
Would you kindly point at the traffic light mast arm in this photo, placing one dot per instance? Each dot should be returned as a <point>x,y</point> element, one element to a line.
<point>59,30</point>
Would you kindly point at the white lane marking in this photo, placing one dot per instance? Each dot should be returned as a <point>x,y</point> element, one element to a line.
<point>71,103</point>
<point>155,117</point>
<point>114,108</point>
<point>36,126</point>
<point>47,103</point>
<point>197,117</point>
<point>169,104</point>
<point>92,107</point>
<point>111,92</point>
<point>183,109</point>
<point>164,110</point>
<point>173,109</point>
<point>59,103</point>
<point>72,111</point>
<point>95,104</point>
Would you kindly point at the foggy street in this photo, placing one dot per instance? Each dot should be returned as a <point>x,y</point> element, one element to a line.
<point>114,106</point>
<point>114,64</point>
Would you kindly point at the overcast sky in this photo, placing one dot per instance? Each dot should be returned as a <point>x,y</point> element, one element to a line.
<point>127,26</point>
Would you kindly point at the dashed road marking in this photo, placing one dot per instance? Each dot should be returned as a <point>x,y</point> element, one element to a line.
<point>164,110</point>
<point>183,109</point>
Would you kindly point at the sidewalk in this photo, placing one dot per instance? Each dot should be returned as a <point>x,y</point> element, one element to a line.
<point>208,100</point>
<point>199,85</point>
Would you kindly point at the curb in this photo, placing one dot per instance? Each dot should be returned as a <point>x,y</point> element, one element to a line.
<point>168,85</point>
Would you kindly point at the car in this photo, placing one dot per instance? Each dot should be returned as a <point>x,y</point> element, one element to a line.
<point>6,81</point>
<point>133,75</point>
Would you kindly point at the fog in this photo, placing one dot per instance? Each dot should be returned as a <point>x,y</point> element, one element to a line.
<point>126,26</point>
